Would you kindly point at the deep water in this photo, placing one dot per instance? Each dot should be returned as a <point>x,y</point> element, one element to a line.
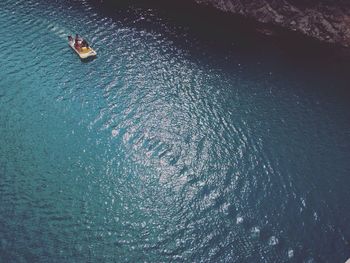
<point>170,146</point>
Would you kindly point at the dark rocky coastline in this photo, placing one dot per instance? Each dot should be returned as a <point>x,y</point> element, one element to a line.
<point>322,20</point>
<point>327,21</point>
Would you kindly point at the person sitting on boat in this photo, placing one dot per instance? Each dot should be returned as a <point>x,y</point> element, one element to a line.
<point>84,43</point>
<point>77,38</point>
<point>77,45</point>
<point>70,39</point>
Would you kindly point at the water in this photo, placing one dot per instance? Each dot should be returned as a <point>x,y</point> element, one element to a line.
<point>165,149</point>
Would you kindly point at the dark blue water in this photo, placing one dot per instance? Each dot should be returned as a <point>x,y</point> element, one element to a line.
<point>165,148</point>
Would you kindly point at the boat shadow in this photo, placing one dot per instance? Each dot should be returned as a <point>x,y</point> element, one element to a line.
<point>87,60</point>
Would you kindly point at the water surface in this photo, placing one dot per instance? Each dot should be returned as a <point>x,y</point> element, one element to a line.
<point>165,148</point>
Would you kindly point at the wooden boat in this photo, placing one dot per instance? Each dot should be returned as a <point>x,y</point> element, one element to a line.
<point>83,52</point>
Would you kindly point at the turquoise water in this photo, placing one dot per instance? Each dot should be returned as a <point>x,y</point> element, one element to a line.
<point>164,149</point>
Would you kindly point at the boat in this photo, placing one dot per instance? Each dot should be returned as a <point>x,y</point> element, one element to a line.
<point>83,52</point>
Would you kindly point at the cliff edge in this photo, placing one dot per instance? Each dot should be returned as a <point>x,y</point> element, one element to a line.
<point>325,20</point>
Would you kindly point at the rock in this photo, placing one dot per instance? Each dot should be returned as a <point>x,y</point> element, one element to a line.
<point>325,20</point>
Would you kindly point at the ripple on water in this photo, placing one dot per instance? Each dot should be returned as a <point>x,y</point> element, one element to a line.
<point>149,153</point>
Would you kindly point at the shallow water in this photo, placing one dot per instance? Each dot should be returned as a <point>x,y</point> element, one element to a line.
<point>163,148</point>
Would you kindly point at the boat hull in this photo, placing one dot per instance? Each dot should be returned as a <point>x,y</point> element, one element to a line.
<point>88,53</point>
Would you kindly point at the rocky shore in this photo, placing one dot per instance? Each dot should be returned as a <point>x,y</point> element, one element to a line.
<point>327,21</point>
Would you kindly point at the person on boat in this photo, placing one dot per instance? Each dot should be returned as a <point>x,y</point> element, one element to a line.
<point>77,38</point>
<point>77,44</point>
<point>70,39</point>
<point>84,43</point>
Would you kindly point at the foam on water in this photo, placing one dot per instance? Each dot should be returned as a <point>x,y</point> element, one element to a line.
<point>163,151</point>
